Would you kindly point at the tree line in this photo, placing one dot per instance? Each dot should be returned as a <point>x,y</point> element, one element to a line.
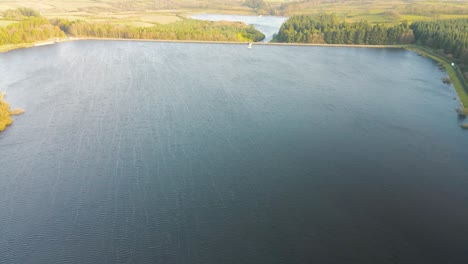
<point>450,36</point>
<point>30,28</point>
<point>327,29</point>
<point>187,29</point>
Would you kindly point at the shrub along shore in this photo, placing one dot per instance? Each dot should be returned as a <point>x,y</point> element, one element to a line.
<point>5,119</point>
<point>6,113</point>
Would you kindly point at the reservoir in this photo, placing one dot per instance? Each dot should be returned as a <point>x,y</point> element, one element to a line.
<point>146,152</point>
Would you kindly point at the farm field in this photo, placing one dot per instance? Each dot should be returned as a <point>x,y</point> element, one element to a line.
<point>146,13</point>
<point>136,13</point>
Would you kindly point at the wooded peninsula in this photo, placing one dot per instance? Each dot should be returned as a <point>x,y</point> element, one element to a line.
<point>33,27</point>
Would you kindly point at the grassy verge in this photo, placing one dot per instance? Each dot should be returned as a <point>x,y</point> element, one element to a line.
<point>456,76</point>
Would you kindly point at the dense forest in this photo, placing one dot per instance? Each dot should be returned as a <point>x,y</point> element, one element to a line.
<point>187,29</point>
<point>31,28</point>
<point>451,36</point>
<point>328,29</point>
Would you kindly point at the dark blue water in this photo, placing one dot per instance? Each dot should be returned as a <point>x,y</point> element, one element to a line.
<point>134,152</point>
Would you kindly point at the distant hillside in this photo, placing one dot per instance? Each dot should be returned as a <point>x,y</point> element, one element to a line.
<point>151,12</point>
<point>379,10</point>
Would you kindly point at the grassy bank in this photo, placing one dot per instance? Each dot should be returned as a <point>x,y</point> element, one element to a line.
<point>455,74</point>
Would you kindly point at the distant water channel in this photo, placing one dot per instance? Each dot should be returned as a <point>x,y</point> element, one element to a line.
<point>138,152</point>
<point>268,25</point>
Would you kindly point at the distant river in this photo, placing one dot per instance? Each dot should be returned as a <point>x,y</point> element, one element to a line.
<point>268,25</point>
<point>138,152</point>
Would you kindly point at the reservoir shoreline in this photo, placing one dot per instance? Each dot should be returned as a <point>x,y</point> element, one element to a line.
<point>6,48</point>
<point>457,79</point>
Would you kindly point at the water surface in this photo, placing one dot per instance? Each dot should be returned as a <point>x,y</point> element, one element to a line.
<point>135,152</point>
